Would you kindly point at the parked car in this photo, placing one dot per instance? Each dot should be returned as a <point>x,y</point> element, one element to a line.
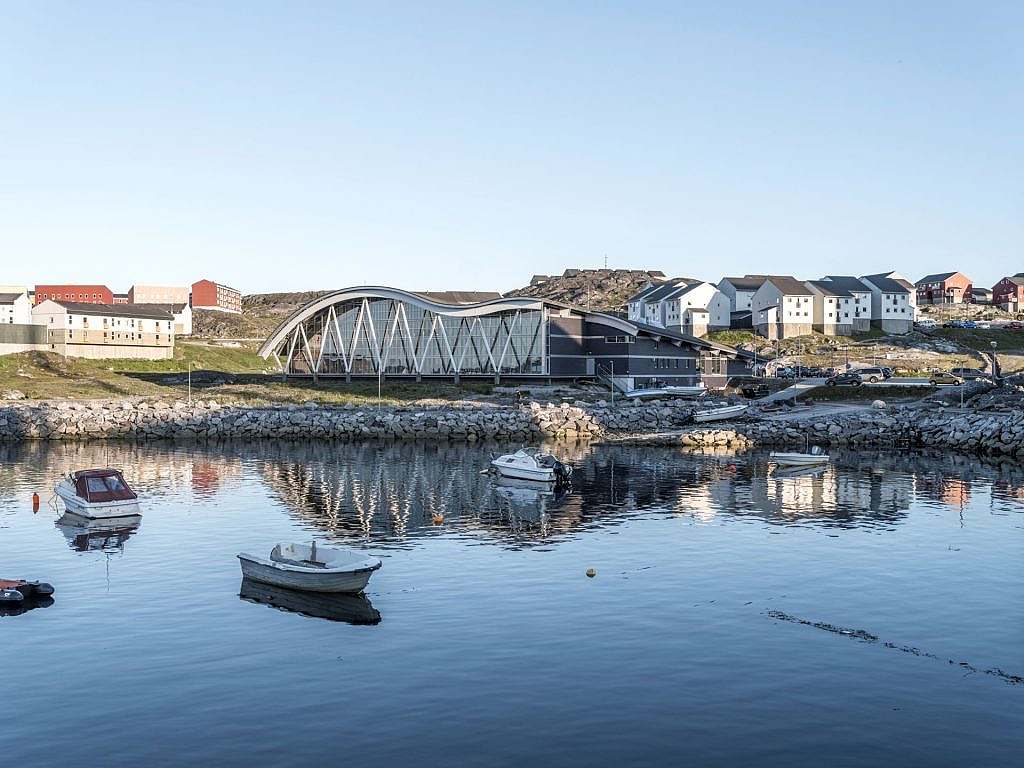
<point>926,323</point>
<point>970,373</point>
<point>849,379</point>
<point>888,372</point>
<point>953,324</point>
<point>984,325</point>
<point>872,375</point>
<point>786,373</point>
<point>943,377</point>
<point>1015,325</point>
<point>968,324</point>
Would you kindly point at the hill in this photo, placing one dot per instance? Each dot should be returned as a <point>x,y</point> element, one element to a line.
<point>599,289</point>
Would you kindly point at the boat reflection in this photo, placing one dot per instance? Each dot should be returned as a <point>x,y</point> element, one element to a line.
<point>88,535</point>
<point>350,609</point>
<point>26,605</point>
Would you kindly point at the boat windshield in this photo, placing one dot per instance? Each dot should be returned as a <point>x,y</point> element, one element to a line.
<point>105,487</point>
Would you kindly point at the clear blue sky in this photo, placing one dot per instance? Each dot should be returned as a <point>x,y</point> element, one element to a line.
<point>304,145</point>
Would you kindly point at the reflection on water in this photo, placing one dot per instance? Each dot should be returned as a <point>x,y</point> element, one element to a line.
<point>874,601</point>
<point>351,609</point>
<point>85,534</point>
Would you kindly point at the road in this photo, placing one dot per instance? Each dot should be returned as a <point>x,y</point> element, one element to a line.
<point>803,385</point>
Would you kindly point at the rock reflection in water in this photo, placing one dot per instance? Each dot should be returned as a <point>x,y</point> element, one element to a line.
<point>351,609</point>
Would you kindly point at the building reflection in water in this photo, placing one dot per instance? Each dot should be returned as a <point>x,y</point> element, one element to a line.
<point>395,491</point>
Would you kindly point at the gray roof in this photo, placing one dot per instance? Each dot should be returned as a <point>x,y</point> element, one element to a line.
<point>458,297</point>
<point>172,308</point>
<point>1017,279</point>
<point>888,285</point>
<point>789,286</point>
<point>829,288</point>
<point>9,298</point>
<point>848,283</point>
<point>644,292</point>
<point>938,277</point>
<point>667,333</point>
<point>748,283</point>
<point>664,290</point>
<point>143,311</point>
<point>682,290</point>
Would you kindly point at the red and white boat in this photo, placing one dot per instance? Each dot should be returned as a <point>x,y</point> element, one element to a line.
<point>97,494</point>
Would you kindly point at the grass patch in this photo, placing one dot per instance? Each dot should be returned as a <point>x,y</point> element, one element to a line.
<point>246,378</point>
<point>734,338</point>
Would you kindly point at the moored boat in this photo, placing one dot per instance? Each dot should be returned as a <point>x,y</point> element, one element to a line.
<point>721,413</point>
<point>311,568</point>
<point>530,464</point>
<point>97,494</point>
<point>812,457</point>
<point>654,393</point>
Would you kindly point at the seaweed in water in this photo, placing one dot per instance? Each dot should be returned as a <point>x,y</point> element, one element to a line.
<point>867,637</point>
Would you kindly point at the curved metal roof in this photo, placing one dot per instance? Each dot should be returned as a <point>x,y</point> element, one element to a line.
<point>465,310</point>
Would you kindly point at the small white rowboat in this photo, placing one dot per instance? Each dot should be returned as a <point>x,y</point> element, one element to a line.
<point>311,568</point>
<point>720,414</point>
<point>815,457</point>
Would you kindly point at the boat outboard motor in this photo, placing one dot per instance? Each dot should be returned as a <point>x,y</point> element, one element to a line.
<point>562,471</point>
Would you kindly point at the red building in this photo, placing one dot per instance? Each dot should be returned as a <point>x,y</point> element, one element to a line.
<point>944,288</point>
<point>84,294</point>
<point>1008,293</point>
<point>207,294</point>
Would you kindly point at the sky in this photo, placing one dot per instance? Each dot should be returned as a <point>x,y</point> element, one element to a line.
<point>433,146</point>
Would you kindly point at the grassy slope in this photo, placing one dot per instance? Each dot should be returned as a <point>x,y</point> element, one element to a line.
<point>42,375</point>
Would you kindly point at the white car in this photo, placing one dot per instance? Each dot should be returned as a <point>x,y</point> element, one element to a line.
<point>926,323</point>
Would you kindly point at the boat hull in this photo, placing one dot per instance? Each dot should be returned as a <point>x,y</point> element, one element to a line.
<point>542,474</point>
<point>265,571</point>
<point>797,459</point>
<point>720,414</point>
<point>95,511</point>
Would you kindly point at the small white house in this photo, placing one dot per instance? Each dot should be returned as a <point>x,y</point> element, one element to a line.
<point>15,308</point>
<point>783,307</point>
<point>635,307</point>
<point>697,309</point>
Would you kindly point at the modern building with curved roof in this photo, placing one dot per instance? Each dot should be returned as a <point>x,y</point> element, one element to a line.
<point>373,331</point>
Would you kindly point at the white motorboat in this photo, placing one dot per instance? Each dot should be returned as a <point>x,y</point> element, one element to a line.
<point>530,464</point>
<point>812,458</point>
<point>311,568</point>
<point>97,494</point>
<point>721,413</point>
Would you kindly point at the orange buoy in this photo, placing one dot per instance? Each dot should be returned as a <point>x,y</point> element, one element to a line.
<point>437,518</point>
<point>35,502</point>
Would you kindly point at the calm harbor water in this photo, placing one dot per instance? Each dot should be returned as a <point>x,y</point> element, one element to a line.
<point>867,614</point>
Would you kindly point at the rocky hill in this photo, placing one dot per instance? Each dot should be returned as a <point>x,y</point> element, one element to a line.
<point>599,289</point>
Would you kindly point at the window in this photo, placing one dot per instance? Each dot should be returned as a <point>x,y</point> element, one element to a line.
<point>607,339</point>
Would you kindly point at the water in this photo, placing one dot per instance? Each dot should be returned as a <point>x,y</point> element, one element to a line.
<point>868,614</point>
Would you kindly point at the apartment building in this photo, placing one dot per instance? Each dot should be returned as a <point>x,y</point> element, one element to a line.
<point>833,311</point>
<point>99,331</point>
<point>207,294</point>
<point>944,288</point>
<point>860,307</point>
<point>782,307</point>
<point>893,307</point>
<point>82,294</point>
<point>158,294</point>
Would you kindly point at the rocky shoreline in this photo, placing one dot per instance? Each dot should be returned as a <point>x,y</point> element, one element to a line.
<point>932,425</point>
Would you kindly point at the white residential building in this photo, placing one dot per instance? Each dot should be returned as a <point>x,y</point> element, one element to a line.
<point>782,307</point>
<point>15,308</point>
<point>635,307</point>
<point>893,302</point>
<point>182,314</point>
<point>833,308</point>
<point>861,294</point>
<point>99,331</point>
<point>696,309</point>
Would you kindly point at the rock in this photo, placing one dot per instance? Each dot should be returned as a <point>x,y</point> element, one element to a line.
<point>12,394</point>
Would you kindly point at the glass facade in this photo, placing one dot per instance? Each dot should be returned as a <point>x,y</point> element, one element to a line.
<point>360,335</point>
